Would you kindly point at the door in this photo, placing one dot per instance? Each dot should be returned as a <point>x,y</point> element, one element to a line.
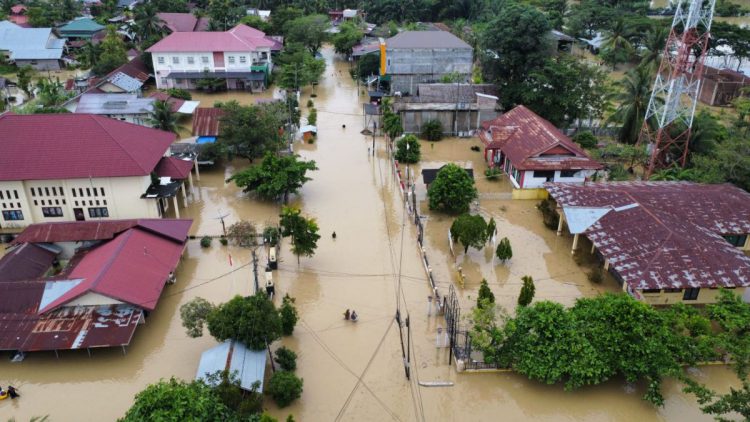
<point>78,212</point>
<point>219,60</point>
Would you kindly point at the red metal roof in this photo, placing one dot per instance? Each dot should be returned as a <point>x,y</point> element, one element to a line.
<point>176,168</point>
<point>174,103</point>
<point>77,146</point>
<point>241,38</point>
<point>26,262</point>
<point>206,121</point>
<point>660,235</point>
<point>532,143</point>
<point>183,22</point>
<point>76,231</point>
<point>135,68</point>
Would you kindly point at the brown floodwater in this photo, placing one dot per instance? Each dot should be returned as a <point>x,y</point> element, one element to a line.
<point>352,371</point>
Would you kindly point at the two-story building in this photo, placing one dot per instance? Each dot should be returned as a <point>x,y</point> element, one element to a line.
<point>532,152</point>
<point>39,48</point>
<point>241,56</point>
<point>76,167</point>
<point>415,57</point>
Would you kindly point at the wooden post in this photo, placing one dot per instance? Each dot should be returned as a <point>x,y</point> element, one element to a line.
<point>575,243</point>
<point>176,208</point>
<point>559,224</point>
<point>197,172</point>
<point>184,194</point>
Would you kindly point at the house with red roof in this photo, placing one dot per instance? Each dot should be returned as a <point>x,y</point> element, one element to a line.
<point>85,285</point>
<point>80,167</point>
<point>18,15</point>
<point>241,56</point>
<point>183,22</point>
<point>532,152</point>
<point>663,242</point>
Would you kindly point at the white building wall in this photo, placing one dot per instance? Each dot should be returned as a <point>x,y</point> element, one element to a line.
<point>165,63</point>
<point>45,201</point>
<point>93,299</point>
<point>531,182</point>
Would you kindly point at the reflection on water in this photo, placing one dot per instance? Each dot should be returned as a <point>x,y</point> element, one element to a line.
<point>355,195</point>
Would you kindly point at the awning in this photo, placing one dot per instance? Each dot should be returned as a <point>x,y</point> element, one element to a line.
<point>249,75</point>
<point>188,107</point>
<point>167,190</point>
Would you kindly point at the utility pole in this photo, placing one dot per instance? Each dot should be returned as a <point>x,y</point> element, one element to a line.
<point>255,271</point>
<point>373,138</point>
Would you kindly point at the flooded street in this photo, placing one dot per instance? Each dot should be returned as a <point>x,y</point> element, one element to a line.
<point>352,372</point>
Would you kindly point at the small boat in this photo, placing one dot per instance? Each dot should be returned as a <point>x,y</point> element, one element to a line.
<point>4,395</point>
<point>436,383</point>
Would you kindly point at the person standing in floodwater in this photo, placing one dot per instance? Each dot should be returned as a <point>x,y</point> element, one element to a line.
<point>346,315</point>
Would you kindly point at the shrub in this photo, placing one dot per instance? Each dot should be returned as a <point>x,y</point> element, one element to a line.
<point>492,173</point>
<point>408,149</point>
<point>206,241</point>
<point>271,235</point>
<point>585,139</point>
<point>432,130</point>
<point>224,241</point>
<point>504,251</point>
<point>289,315</point>
<point>549,213</point>
<point>312,118</point>
<point>618,173</point>
<point>596,276</point>
<point>242,233</point>
<point>485,295</point>
<point>286,358</point>
<point>310,104</point>
<point>284,387</point>
<point>179,93</point>
<point>527,291</point>
<point>475,148</point>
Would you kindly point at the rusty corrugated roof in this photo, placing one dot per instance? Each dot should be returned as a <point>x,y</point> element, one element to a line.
<point>206,121</point>
<point>661,235</point>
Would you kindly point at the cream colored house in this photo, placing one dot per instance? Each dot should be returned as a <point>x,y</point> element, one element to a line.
<point>664,242</point>
<point>80,167</point>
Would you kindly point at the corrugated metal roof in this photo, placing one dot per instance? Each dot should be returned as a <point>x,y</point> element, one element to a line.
<point>206,121</point>
<point>426,39</point>
<point>25,262</point>
<point>660,235</point>
<point>125,82</point>
<point>30,43</point>
<point>250,365</point>
<point>241,38</point>
<point>532,143</point>
<point>81,24</point>
<point>75,231</point>
<point>175,168</point>
<point>107,104</point>
<point>71,145</point>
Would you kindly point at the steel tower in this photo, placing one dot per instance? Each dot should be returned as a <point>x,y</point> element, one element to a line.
<point>677,86</point>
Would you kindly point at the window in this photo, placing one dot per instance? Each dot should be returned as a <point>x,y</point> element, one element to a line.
<point>1,195</point>
<point>35,202</point>
<point>691,293</point>
<point>204,59</point>
<point>12,215</point>
<point>98,212</point>
<point>88,191</point>
<point>672,290</point>
<point>546,174</point>
<point>231,59</point>
<point>175,60</point>
<point>96,192</point>
<point>651,291</point>
<point>54,191</point>
<point>74,192</point>
<point>80,192</point>
<point>243,59</point>
<point>33,193</point>
<point>568,173</point>
<point>46,191</point>
<point>102,191</point>
<point>191,60</point>
<point>737,240</point>
<point>43,202</point>
<point>178,81</point>
<point>52,212</point>
<point>160,60</point>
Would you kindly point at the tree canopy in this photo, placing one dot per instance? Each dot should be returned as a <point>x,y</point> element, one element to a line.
<point>349,35</point>
<point>469,230</point>
<point>177,401</point>
<point>162,117</point>
<point>299,67</point>
<point>303,231</point>
<point>408,149</point>
<point>251,320</point>
<point>251,131</point>
<point>452,190</point>
<point>113,52</point>
<point>275,177</point>
<point>310,31</point>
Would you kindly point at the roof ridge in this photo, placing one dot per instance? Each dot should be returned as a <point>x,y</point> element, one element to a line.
<point>112,258</point>
<point>117,141</point>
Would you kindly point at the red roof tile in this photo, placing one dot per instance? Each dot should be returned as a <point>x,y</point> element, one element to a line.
<point>74,231</point>
<point>70,146</point>
<point>241,38</point>
<point>176,168</point>
<point>532,143</point>
<point>660,235</point>
<point>206,121</point>
<point>133,268</point>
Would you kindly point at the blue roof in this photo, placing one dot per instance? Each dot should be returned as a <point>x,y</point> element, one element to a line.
<point>205,140</point>
<point>248,365</point>
<point>30,43</point>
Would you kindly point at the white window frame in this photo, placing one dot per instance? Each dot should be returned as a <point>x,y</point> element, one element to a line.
<point>160,59</point>
<point>175,60</point>
<point>191,60</point>
<point>230,59</point>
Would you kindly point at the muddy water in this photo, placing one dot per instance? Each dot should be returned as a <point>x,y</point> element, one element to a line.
<point>351,371</point>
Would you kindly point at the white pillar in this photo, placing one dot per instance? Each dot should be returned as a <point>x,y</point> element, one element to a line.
<point>559,224</point>
<point>190,178</point>
<point>176,208</point>
<point>575,243</point>
<point>593,248</point>
<point>184,194</point>
<point>197,173</point>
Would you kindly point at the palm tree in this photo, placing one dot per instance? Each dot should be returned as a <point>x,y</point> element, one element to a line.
<point>148,25</point>
<point>162,117</point>
<point>632,99</point>
<point>89,55</point>
<point>616,46</point>
<point>654,43</point>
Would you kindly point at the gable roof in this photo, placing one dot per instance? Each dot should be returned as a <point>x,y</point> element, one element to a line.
<point>660,235</point>
<point>241,38</point>
<point>119,103</point>
<point>233,356</point>
<point>25,262</point>
<point>183,22</point>
<point>76,231</point>
<point>532,143</point>
<point>426,39</point>
<point>30,43</point>
<point>81,25</point>
<point>76,146</point>
<point>173,167</point>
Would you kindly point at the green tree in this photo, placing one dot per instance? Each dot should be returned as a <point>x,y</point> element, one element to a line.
<point>281,17</point>
<point>585,139</point>
<point>180,93</point>
<point>503,251</point>
<point>113,52</point>
<point>736,401</point>
<point>392,125</point>
<point>51,94</point>
<point>149,28</point>
<point>242,233</point>
<point>349,35</point>
<point>470,230</point>
<point>485,295</point>
<point>632,99</point>
<point>432,130</point>
<point>527,291</point>
<point>452,190</point>
<point>491,228</point>
<point>226,385</point>
<point>276,176</point>
<point>286,359</point>
<point>284,387</point>
<point>299,67</point>
<point>177,401</point>
<point>253,321</point>
<point>194,314</point>
<point>310,31</point>
<point>288,314</point>
<point>736,38</point>
<point>162,117</point>
<point>408,149</point>
<point>252,131</point>
<point>303,231</point>
<point>256,22</point>
<point>224,14</point>
<point>653,46</point>
<point>24,75</point>
<point>616,46</point>
<point>515,43</point>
